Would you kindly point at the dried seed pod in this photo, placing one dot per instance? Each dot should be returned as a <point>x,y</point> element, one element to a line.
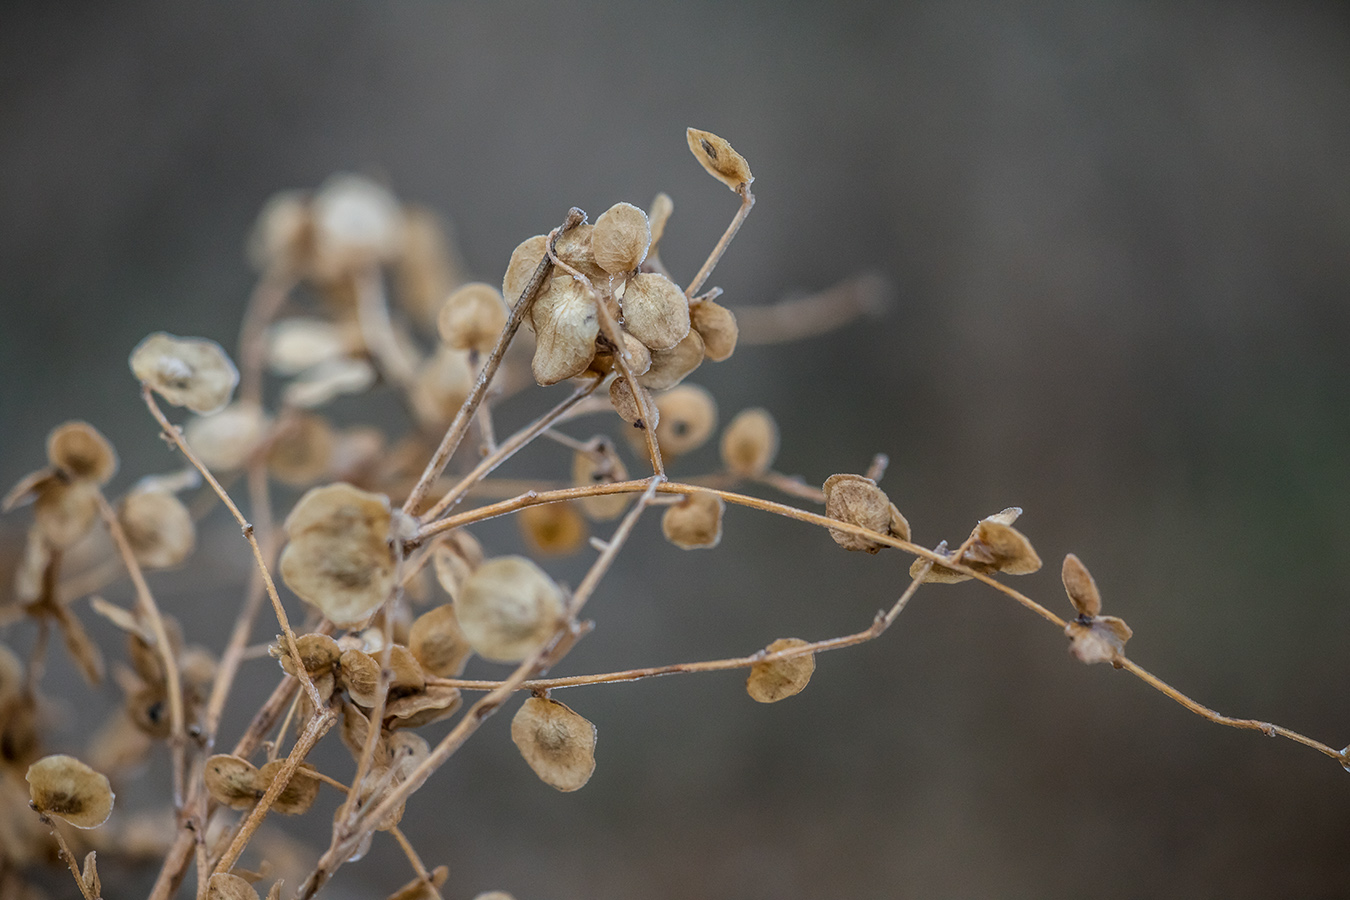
<point>438,643</point>
<point>360,677</point>
<point>339,558</point>
<point>558,743</point>
<point>628,407</point>
<point>779,679</point>
<point>89,875</point>
<point>575,248</point>
<point>443,383</point>
<point>509,608</point>
<point>227,886</point>
<point>318,652</point>
<point>64,513</point>
<point>717,326</point>
<point>566,326</point>
<point>695,523</point>
<point>639,357</point>
<point>282,238</point>
<point>357,223</point>
<point>225,440</point>
<point>302,451</point>
<point>524,260</point>
<point>655,310</point>
<point>858,500</point>
<point>232,781</point>
<point>417,889</point>
<point>297,344</point>
<point>1003,549</point>
<point>717,157</point>
<point>553,529</point>
<point>64,787</point>
<point>600,465</point>
<point>81,453</point>
<point>670,367</point>
<point>299,793</point>
<point>1101,639</point>
<point>659,214</point>
<point>472,318</point>
<point>431,704</point>
<point>688,419</point>
<point>454,558</point>
<point>158,527</point>
<point>750,443</point>
<point>620,238</point>
<point>329,379</point>
<point>191,372</point>
<point>1081,588</point>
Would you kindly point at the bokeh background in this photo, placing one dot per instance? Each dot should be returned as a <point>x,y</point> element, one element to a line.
<point>1119,240</point>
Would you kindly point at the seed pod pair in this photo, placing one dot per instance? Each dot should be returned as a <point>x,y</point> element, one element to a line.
<point>65,494</point>
<point>235,782</point>
<point>994,546</point>
<point>1093,637</point>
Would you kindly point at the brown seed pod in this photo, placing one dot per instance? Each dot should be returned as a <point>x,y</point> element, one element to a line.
<point>318,652</point>
<point>670,367</point>
<point>191,372</point>
<point>431,704</point>
<point>553,529</point>
<point>688,419</point>
<point>232,781</point>
<point>655,310</point>
<point>566,326</point>
<point>620,238</point>
<point>64,513</point>
<point>639,357</point>
<point>438,643</point>
<point>282,238</point>
<point>509,608</point>
<point>454,558</point>
<point>717,157</point>
<point>64,787</point>
<point>360,677</point>
<point>558,743</point>
<point>627,406</point>
<point>158,527</point>
<point>695,523</point>
<point>717,326</point>
<point>339,559</point>
<point>357,223</point>
<point>417,889</point>
<point>302,451</point>
<point>225,440</point>
<point>300,343</point>
<point>779,679</point>
<point>659,214</point>
<point>441,386</point>
<point>1100,640</point>
<point>858,500</point>
<point>299,793</point>
<point>524,260</point>
<point>1003,549</point>
<point>575,248</point>
<point>1081,588</point>
<point>81,453</point>
<point>600,465</point>
<point>750,443</point>
<point>227,886</point>
<point>472,318</point>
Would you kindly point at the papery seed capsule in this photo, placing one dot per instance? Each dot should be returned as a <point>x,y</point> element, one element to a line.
<point>655,311</point>
<point>225,440</point>
<point>628,407</point>
<point>441,386</point>
<point>79,451</point>
<point>695,523</point>
<point>566,326</point>
<point>299,793</point>
<point>717,326</point>
<point>670,367</point>
<point>1004,549</point>
<point>857,500</point>
<point>779,679</point>
<point>509,608</point>
<point>750,443</point>
<point>64,787</point>
<point>1080,586</point>
<point>717,157</point>
<point>191,372</point>
<point>524,260</point>
<point>620,238</point>
<point>227,886</point>
<point>283,234</point>
<point>232,781</point>
<point>688,419</point>
<point>472,318</point>
<point>553,529</point>
<point>600,464</point>
<point>558,744</point>
<point>158,527</point>
<point>438,643</point>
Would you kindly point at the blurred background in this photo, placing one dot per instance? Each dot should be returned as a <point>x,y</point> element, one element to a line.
<point>1119,240</point>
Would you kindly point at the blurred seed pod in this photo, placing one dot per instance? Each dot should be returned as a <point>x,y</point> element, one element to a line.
<point>332,378</point>
<point>717,157</point>
<point>417,889</point>
<point>779,679</point>
<point>658,215</point>
<point>282,238</point>
<point>695,523</point>
<point>191,372</point>
<point>600,464</point>
<point>670,367</point>
<point>225,440</point>
<point>717,326</point>
<point>750,443</point>
<point>857,500</point>
<point>442,384</point>
<point>454,558</point>
<point>64,787</point>
<point>688,419</point>
<point>553,529</point>
<point>472,318</point>
<point>302,450</point>
<point>300,343</point>
<point>227,886</point>
<point>158,527</point>
<point>64,512</point>
<point>566,326</point>
<point>232,781</point>
<point>1100,640</point>
<point>509,608</point>
<point>81,453</point>
<point>620,238</point>
<point>655,310</point>
<point>299,793</point>
<point>628,407</point>
<point>438,643</point>
<point>558,744</point>
<point>357,223</point>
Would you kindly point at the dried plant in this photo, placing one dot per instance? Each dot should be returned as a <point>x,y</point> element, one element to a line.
<point>398,594</point>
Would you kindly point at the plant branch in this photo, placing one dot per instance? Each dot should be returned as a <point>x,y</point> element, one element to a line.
<point>747,201</point>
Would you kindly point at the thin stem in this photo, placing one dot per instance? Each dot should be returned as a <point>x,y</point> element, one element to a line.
<point>377,330</point>
<point>66,856</point>
<point>747,201</point>
<point>266,301</point>
<point>416,862</point>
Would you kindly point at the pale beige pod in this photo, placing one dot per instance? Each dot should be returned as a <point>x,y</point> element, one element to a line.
<point>620,238</point>
<point>566,326</point>
<point>778,679</point>
<point>750,443</point>
<point>64,787</point>
<point>472,318</point>
<point>655,311</point>
<point>438,643</point>
<point>695,523</point>
<point>158,526</point>
<point>558,744</point>
<point>81,452</point>
<point>717,326</point>
<point>225,440</point>
<point>857,500</point>
<point>191,372</point>
<point>719,159</point>
<point>509,608</point>
<point>688,419</point>
<point>670,367</point>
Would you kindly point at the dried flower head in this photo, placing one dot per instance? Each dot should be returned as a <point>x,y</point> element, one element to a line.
<point>717,157</point>
<point>191,372</point>
<point>509,608</point>
<point>620,238</point>
<point>158,527</point>
<point>472,318</point>
<point>64,787</point>
<point>750,443</point>
<point>778,679</point>
<point>558,743</point>
<point>688,419</point>
<point>1093,638</point>
<point>553,529</point>
<point>670,367</point>
<point>566,326</point>
<point>695,523</point>
<point>80,453</point>
<point>225,440</point>
<point>600,463</point>
<point>357,223</point>
<point>655,311</point>
<point>857,499</point>
<point>339,559</point>
<point>438,643</point>
<point>717,326</point>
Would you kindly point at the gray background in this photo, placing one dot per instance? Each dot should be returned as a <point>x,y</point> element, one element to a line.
<point>1120,239</point>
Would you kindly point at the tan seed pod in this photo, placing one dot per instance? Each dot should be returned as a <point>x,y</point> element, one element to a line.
<point>1006,517</point>
<point>639,357</point>
<point>1081,588</point>
<point>858,500</point>
<point>339,559</point>
<point>779,679</point>
<point>524,260</point>
<point>64,787</point>
<point>64,513</point>
<point>443,382</point>
<point>575,248</point>
<point>1100,640</point>
<point>659,214</point>
<point>360,677</point>
<point>655,311</point>
<point>225,440</point>
<point>283,234</point>
<point>302,450</point>
<point>318,652</point>
<point>437,642</point>
<point>356,223</point>
<point>191,372</point>
<point>688,419</point>
<point>81,453</point>
<point>600,465</point>
<point>454,559</point>
<point>717,326</point>
<point>620,238</point>
<point>1004,549</point>
<point>227,886</point>
<point>558,744</point>
<point>695,523</point>
<point>472,318</point>
<point>553,529</point>
<point>158,526</point>
<point>750,443</point>
<point>329,379</point>
<point>670,367</point>
<point>89,875</point>
<point>717,157</point>
<point>417,889</point>
<point>232,781</point>
<point>566,326</point>
<point>431,704</point>
<point>297,344</point>
<point>299,793</point>
<point>628,407</point>
<point>509,608</point>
